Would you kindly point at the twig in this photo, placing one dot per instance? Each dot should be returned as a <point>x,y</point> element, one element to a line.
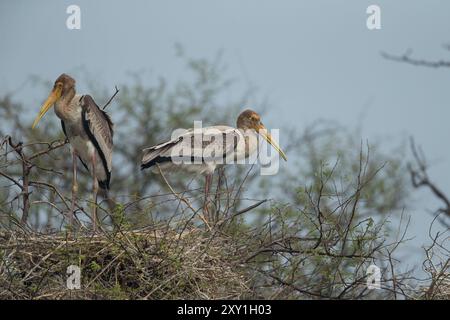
<point>182,198</point>
<point>419,178</point>
<point>111,99</point>
<point>249,208</point>
<point>405,58</point>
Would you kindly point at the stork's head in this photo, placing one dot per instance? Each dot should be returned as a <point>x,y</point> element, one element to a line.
<point>250,120</point>
<point>64,85</point>
<point>66,82</point>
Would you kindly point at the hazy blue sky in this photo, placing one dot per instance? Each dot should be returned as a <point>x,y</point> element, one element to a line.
<point>313,59</point>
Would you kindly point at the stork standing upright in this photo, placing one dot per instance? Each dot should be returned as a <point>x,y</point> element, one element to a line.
<point>90,132</point>
<point>218,145</point>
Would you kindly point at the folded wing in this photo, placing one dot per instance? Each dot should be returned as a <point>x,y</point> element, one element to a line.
<point>194,146</point>
<point>99,128</point>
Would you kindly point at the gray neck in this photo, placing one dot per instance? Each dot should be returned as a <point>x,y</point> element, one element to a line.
<point>251,139</point>
<point>64,107</point>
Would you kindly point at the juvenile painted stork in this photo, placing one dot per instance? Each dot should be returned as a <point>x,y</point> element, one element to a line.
<point>90,132</point>
<point>202,150</point>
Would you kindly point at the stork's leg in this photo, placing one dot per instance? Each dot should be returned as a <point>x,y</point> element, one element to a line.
<point>94,191</point>
<point>217,195</point>
<point>207,186</point>
<point>74,187</point>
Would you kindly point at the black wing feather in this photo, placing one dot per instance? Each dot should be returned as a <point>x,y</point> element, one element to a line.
<point>99,128</point>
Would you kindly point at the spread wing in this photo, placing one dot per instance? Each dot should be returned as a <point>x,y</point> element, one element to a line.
<point>99,128</point>
<point>206,144</point>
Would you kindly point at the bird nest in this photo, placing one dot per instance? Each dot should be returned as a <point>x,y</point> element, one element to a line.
<point>439,288</point>
<point>150,264</point>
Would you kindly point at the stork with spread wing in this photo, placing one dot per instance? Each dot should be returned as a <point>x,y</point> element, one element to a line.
<point>90,132</point>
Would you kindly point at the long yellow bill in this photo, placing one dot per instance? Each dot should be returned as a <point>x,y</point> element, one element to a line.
<point>52,98</point>
<point>266,135</point>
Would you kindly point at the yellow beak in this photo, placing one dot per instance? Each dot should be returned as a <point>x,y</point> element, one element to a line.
<point>266,135</point>
<point>52,98</point>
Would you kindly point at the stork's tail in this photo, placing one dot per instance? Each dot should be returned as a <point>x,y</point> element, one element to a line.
<point>104,185</point>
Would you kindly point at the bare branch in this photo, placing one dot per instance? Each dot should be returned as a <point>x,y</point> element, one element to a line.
<point>419,178</point>
<point>111,99</point>
<point>405,58</point>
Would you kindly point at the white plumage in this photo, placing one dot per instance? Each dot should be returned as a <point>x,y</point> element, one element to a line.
<point>202,150</point>
<point>90,133</point>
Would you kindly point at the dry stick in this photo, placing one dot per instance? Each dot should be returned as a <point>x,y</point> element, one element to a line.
<point>162,284</point>
<point>50,186</point>
<point>59,144</point>
<point>394,280</point>
<point>420,178</point>
<point>182,198</point>
<point>249,208</point>
<point>60,196</point>
<point>129,204</point>
<point>11,179</point>
<point>104,269</point>
<point>42,260</point>
<point>238,192</point>
<point>25,191</point>
<point>51,204</point>
<point>416,62</point>
<point>26,167</point>
<point>111,99</point>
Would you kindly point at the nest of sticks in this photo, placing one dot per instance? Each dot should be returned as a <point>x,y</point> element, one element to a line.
<point>157,263</point>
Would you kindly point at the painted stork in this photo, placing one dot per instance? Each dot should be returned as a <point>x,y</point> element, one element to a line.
<point>89,130</point>
<point>217,145</point>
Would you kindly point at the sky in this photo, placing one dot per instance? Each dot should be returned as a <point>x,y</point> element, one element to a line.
<point>311,59</point>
